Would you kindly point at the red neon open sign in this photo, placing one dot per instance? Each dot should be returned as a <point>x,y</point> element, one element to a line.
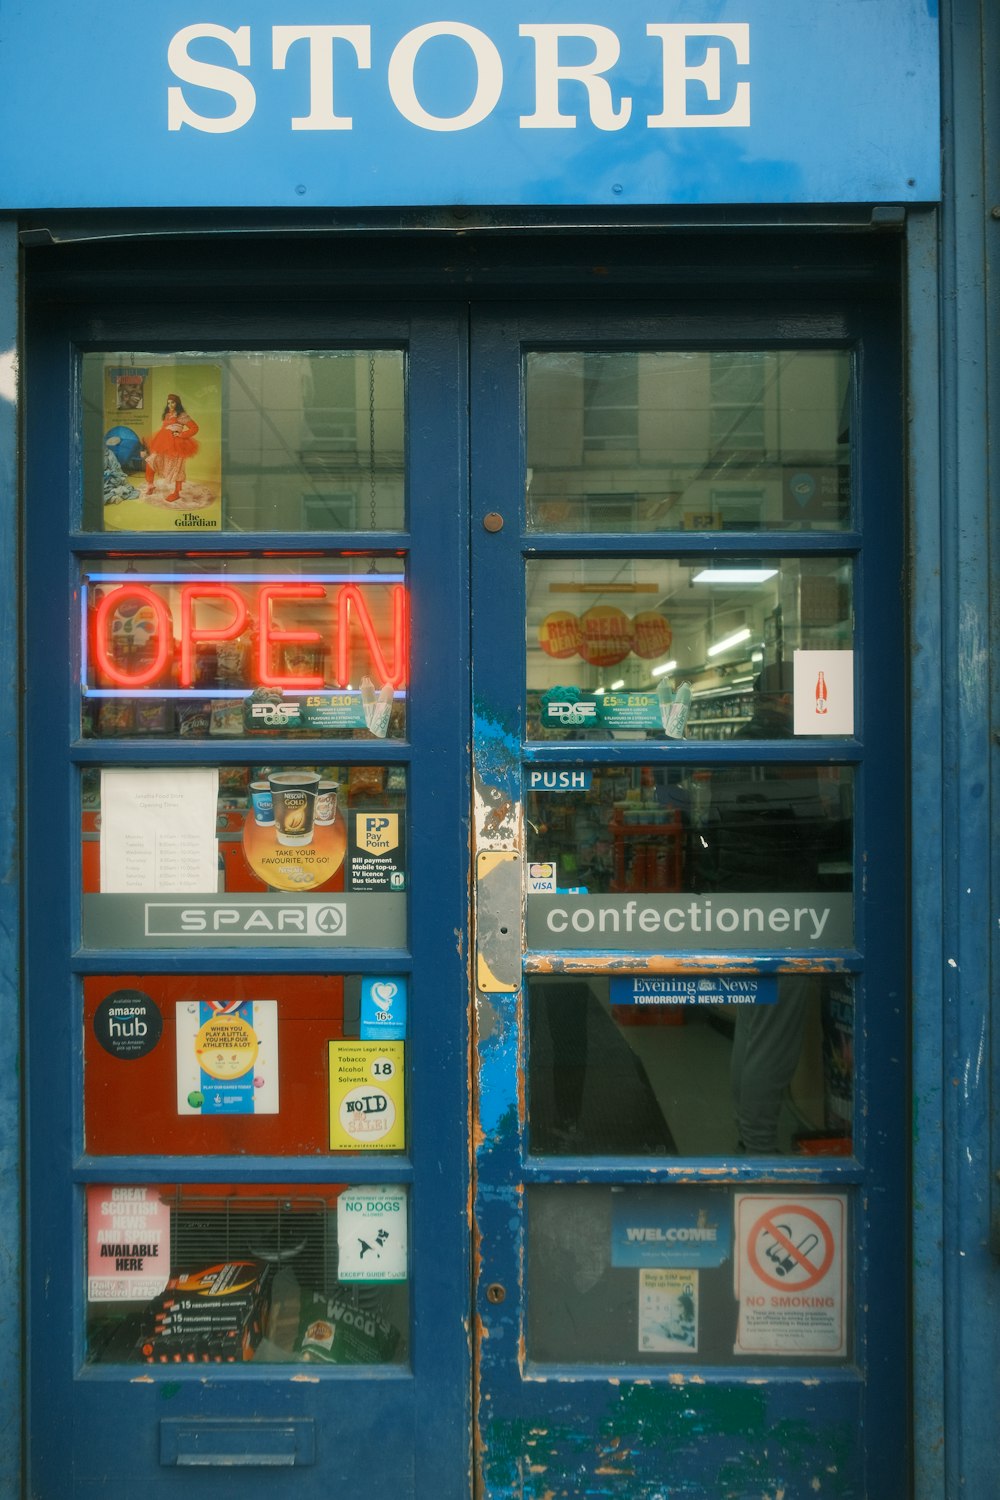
<point>173,635</point>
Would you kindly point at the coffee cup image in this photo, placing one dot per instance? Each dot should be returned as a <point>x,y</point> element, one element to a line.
<point>293,797</point>
<point>263,806</point>
<point>326,802</point>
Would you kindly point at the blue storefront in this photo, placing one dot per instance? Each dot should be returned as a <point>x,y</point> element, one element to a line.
<point>496,824</point>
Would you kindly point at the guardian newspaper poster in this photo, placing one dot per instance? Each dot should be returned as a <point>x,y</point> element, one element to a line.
<point>162,449</point>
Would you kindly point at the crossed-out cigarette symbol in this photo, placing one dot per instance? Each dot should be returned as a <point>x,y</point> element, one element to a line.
<point>782,1261</point>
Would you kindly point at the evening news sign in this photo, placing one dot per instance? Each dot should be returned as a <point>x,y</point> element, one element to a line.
<point>241,103</point>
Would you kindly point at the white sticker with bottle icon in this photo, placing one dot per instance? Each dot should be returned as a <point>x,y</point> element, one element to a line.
<point>824,692</point>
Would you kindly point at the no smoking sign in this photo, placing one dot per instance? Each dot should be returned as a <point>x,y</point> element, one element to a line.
<point>790,1274</point>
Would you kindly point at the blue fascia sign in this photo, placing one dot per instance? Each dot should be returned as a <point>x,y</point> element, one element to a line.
<point>210,103</point>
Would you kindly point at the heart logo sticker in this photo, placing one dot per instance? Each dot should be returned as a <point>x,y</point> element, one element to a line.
<point>384,992</point>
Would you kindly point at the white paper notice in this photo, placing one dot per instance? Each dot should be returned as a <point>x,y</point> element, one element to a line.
<point>158,830</point>
<point>824,692</point>
<point>790,1274</point>
<point>371,1233</point>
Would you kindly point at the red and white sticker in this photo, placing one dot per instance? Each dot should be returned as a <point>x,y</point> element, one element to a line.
<point>790,1274</point>
<point>128,1244</point>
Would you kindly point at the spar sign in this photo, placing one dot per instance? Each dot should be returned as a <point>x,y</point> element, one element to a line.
<point>790,1274</point>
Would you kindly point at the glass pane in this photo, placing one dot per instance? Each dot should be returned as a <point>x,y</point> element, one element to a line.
<point>689,648</point>
<point>243,1064</point>
<point>214,1274</point>
<point>678,1275</point>
<point>244,854</point>
<point>738,856</point>
<point>244,648</point>
<point>689,440</point>
<point>244,442</point>
<point>691,1065</point>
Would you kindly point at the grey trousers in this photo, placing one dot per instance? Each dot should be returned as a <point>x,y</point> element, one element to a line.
<point>767,1044</point>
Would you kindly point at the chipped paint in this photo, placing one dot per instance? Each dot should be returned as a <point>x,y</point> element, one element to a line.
<point>653,1442</point>
<point>602,962</point>
<point>499,1100</point>
<point>551,1433</point>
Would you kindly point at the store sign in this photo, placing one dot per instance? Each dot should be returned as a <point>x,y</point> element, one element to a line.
<point>724,922</point>
<point>681,101</point>
<point>689,1227</point>
<point>172,635</point>
<point>349,919</point>
<point>687,989</point>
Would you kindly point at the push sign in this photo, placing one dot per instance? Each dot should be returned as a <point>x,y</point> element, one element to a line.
<point>541,780</point>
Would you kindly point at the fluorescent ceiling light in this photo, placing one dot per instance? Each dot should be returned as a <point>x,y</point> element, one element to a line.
<point>730,640</point>
<point>734,575</point>
<point>619,684</point>
<point>668,666</point>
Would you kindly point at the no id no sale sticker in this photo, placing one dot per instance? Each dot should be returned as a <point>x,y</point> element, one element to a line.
<point>790,1274</point>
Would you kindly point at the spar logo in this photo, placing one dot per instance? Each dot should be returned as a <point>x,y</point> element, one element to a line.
<point>565,712</point>
<point>234,919</point>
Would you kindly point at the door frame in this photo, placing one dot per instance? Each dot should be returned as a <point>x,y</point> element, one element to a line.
<point>954,1399</point>
<point>514,1397</point>
<point>409,1425</point>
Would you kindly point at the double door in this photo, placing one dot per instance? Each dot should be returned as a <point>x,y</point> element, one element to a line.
<point>476,829</point>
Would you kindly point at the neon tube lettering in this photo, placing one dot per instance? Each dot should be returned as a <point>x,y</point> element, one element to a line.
<point>270,636</point>
<point>352,598</point>
<point>164,636</point>
<point>191,635</point>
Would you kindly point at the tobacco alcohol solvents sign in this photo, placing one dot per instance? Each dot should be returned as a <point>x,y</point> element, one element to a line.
<point>213,103</point>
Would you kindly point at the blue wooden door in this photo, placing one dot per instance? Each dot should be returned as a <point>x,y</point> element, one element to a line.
<point>246,624</point>
<point>261,566</point>
<point>688,807</point>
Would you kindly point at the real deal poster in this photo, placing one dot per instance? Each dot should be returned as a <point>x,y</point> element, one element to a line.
<point>162,449</point>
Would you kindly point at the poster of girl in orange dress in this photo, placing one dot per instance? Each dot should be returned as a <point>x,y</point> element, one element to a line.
<point>163,447</point>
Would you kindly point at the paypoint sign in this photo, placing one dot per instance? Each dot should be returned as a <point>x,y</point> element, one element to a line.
<point>671,101</point>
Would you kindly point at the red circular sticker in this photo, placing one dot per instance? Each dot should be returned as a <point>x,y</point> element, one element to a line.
<point>606,635</point>
<point>651,634</point>
<point>559,634</point>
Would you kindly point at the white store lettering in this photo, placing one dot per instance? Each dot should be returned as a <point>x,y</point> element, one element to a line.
<point>560,88</point>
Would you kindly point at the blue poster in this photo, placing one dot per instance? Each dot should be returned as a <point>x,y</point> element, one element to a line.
<point>227,1057</point>
<point>686,1227</point>
<point>691,989</point>
<point>383,1010</point>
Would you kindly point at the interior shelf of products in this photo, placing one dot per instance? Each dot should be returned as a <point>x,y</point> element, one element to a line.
<point>719,716</point>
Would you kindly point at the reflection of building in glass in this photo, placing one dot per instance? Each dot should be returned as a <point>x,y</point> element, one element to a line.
<point>310,441</point>
<point>689,440</point>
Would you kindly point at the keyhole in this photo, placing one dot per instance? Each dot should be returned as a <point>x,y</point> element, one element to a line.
<point>495,1292</point>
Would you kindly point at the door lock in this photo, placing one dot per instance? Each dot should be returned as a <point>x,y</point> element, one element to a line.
<point>495,1292</point>
<point>493,521</point>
